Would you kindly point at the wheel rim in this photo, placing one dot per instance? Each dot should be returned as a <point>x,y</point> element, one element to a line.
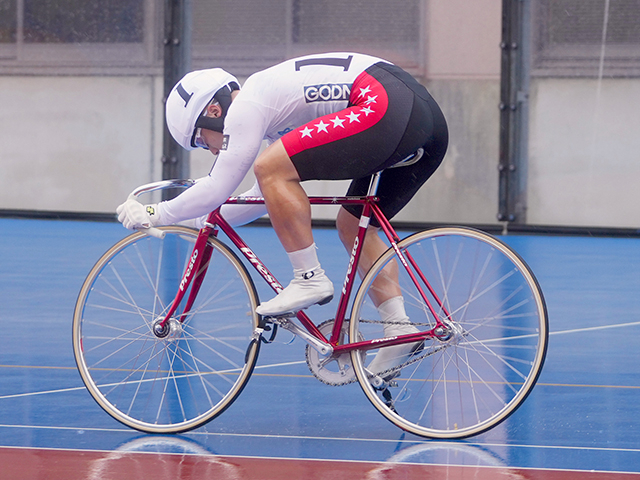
<point>473,381</point>
<point>183,378</point>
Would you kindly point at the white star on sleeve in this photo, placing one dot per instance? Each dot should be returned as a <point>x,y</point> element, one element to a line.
<point>322,127</point>
<point>371,99</point>
<point>306,132</point>
<point>337,122</point>
<point>366,111</point>
<point>353,117</point>
<point>364,91</point>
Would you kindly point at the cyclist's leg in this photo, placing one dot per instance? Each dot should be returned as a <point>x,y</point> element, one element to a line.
<point>427,129</point>
<point>396,188</point>
<point>290,213</point>
<point>372,248</point>
<point>385,292</point>
<point>286,200</point>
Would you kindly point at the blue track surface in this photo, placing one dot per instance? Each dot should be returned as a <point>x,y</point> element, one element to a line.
<point>584,413</point>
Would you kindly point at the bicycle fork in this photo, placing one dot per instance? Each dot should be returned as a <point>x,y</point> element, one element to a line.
<point>198,264</point>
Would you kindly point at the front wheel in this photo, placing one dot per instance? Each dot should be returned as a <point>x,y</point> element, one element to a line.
<point>485,364</point>
<point>182,378</point>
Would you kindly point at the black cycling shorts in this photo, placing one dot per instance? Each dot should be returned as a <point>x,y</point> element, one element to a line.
<point>390,115</point>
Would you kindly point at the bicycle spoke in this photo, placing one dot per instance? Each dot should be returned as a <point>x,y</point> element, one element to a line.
<point>479,373</point>
<point>172,383</point>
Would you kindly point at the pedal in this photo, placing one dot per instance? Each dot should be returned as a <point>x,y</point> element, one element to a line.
<point>388,400</point>
<point>273,334</point>
<point>266,326</point>
<point>383,383</point>
<point>276,319</point>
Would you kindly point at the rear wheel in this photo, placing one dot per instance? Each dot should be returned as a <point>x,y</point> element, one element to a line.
<point>480,371</point>
<point>181,378</point>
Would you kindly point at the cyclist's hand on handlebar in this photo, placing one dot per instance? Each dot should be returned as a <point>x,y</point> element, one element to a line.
<point>133,215</point>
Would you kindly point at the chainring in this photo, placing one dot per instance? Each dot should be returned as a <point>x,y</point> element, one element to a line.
<point>332,369</point>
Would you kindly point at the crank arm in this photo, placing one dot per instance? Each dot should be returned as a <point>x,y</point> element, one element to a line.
<point>318,345</point>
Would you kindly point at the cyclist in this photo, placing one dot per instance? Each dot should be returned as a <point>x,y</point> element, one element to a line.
<point>329,116</point>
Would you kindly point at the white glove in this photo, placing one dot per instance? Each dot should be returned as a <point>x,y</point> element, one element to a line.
<point>133,215</point>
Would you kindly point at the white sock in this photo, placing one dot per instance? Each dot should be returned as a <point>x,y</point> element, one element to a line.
<point>304,260</point>
<point>392,310</point>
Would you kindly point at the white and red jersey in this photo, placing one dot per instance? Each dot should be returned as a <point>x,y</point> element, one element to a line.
<point>271,103</point>
<point>300,90</point>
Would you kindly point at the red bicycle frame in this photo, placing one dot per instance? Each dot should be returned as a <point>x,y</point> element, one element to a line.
<point>201,255</point>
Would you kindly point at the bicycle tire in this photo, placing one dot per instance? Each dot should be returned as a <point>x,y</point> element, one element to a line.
<point>180,382</point>
<point>468,384</point>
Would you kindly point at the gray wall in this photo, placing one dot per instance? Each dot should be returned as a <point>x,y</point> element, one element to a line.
<point>82,143</point>
<point>77,143</point>
<point>584,152</point>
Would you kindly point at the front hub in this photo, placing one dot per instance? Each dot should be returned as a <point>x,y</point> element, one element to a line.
<point>170,330</point>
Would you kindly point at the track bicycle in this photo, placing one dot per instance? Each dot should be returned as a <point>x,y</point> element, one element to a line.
<point>165,333</point>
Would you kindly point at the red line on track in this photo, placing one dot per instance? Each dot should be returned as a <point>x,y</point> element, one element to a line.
<point>23,463</point>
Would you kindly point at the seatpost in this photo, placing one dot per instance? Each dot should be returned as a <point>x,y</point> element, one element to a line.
<point>410,160</point>
<point>373,185</point>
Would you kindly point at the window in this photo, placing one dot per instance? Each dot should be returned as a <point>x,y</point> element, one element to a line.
<point>8,22</point>
<point>586,38</point>
<point>67,35</point>
<point>374,26</point>
<point>83,21</point>
<point>247,35</point>
<point>243,36</point>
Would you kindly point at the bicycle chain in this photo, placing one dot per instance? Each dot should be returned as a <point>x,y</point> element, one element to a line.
<point>416,358</point>
<point>396,323</point>
<point>386,374</point>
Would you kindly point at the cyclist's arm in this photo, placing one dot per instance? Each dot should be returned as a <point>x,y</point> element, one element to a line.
<point>244,126</point>
<point>238,215</point>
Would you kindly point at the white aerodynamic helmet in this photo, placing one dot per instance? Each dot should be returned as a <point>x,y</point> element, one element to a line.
<point>188,99</point>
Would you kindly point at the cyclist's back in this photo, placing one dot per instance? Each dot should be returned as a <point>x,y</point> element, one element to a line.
<point>302,89</point>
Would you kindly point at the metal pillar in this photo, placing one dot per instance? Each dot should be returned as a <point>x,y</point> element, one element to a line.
<point>514,94</point>
<point>177,60</point>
